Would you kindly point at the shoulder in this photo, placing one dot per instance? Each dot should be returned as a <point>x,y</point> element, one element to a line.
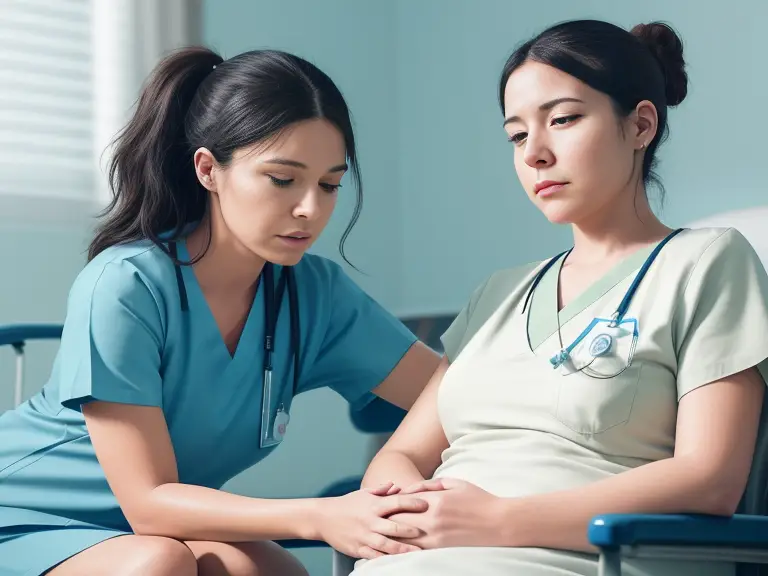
<point>501,285</point>
<point>716,253</point>
<point>320,279</point>
<point>137,272</point>
<point>500,290</point>
<point>694,243</point>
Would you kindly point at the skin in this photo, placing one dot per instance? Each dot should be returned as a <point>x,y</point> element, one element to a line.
<point>599,155</point>
<point>271,189</point>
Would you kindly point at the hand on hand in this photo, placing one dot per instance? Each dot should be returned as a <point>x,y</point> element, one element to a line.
<point>357,524</point>
<point>458,514</point>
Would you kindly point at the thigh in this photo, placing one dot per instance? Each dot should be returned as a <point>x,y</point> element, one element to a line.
<point>244,559</point>
<point>131,556</point>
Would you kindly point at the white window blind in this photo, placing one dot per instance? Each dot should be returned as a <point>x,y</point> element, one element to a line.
<point>46,98</point>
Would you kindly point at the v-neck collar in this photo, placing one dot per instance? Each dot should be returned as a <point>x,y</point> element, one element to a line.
<point>544,317</point>
<point>198,305</point>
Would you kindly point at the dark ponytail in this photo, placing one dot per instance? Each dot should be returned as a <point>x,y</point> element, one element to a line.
<point>151,167</point>
<point>194,99</point>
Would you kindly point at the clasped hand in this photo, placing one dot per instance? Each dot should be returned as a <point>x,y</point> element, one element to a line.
<point>392,520</point>
<point>458,514</point>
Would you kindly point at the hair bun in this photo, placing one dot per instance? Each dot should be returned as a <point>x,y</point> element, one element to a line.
<point>667,47</point>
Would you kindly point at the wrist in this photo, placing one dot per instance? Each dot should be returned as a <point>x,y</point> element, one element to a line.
<point>310,525</point>
<point>507,518</point>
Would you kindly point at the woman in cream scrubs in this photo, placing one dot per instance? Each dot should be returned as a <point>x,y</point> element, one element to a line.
<point>625,375</point>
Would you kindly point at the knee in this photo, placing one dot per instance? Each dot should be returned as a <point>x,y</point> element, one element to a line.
<point>245,559</point>
<point>164,557</point>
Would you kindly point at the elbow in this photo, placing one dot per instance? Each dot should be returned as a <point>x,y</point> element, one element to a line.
<point>146,518</point>
<point>146,523</point>
<point>724,503</point>
<point>720,497</point>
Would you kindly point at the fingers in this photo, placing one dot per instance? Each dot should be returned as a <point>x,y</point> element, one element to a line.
<point>400,503</point>
<point>394,529</point>
<point>368,553</point>
<point>425,486</point>
<point>386,489</point>
<point>379,543</point>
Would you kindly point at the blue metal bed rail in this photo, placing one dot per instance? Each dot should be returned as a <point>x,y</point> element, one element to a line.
<point>16,336</point>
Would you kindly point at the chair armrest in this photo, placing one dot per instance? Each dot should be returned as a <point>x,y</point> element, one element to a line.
<point>738,531</point>
<point>15,334</point>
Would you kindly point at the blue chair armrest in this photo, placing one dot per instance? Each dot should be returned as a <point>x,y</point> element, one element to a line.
<point>20,333</point>
<point>612,531</point>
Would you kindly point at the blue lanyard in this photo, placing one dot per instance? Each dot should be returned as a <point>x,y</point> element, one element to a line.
<point>272,307</point>
<point>271,313</point>
<point>621,311</point>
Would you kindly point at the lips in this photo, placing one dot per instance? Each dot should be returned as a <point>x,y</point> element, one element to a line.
<point>545,184</point>
<point>297,235</point>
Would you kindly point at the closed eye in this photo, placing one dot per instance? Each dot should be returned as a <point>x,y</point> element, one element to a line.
<point>563,120</point>
<point>331,188</point>
<point>280,182</point>
<point>518,138</point>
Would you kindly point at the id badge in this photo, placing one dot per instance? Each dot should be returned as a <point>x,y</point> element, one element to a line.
<point>273,427</point>
<point>604,349</point>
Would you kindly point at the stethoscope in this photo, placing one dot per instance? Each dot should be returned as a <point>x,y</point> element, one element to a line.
<point>602,344</point>
<point>272,431</point>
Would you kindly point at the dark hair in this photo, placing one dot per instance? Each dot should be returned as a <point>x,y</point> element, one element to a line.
<point>644,64</point>
<point>192,99</point>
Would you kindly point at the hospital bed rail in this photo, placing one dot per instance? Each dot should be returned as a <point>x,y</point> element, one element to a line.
<point>17,336</point>
<point>741,538</point>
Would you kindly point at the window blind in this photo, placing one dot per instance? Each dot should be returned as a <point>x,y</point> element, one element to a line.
<point>46,98</point>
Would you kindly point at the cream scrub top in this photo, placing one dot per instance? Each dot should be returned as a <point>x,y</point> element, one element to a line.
<point>519,427</point>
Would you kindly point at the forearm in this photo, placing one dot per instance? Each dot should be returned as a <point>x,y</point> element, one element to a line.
<point>391,466</point>
<point>560,519</point>
<point>188,512</point>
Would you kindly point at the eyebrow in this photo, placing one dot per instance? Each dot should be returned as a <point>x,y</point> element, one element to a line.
<point>546,106</point>
<point>295,164</point>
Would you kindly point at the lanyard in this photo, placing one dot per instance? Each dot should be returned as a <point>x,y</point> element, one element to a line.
<point>272,311</point>
<point>618,315</point>
<point>272,305</point>
<point>603,342</point>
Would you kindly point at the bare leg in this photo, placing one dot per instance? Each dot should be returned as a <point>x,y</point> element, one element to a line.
<point>131,556</point>
<point>245,559</point>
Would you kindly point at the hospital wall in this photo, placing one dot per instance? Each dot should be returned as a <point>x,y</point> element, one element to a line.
<point>442,206</point>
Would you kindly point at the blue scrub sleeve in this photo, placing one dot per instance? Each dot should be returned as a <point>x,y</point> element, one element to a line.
<point>362,343</point>
<point>112,340</point>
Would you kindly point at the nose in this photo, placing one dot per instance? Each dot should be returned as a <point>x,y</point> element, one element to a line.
<point>537,153</point>
<point>308,207</point>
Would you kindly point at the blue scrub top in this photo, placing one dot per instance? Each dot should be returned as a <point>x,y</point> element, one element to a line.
<point>126,340</point>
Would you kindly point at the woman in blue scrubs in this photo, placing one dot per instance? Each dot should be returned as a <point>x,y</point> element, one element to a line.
<point>197,319</point>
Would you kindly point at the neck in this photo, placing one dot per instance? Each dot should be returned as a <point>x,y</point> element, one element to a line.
<point>617,230</point>
<point>227,267</point>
